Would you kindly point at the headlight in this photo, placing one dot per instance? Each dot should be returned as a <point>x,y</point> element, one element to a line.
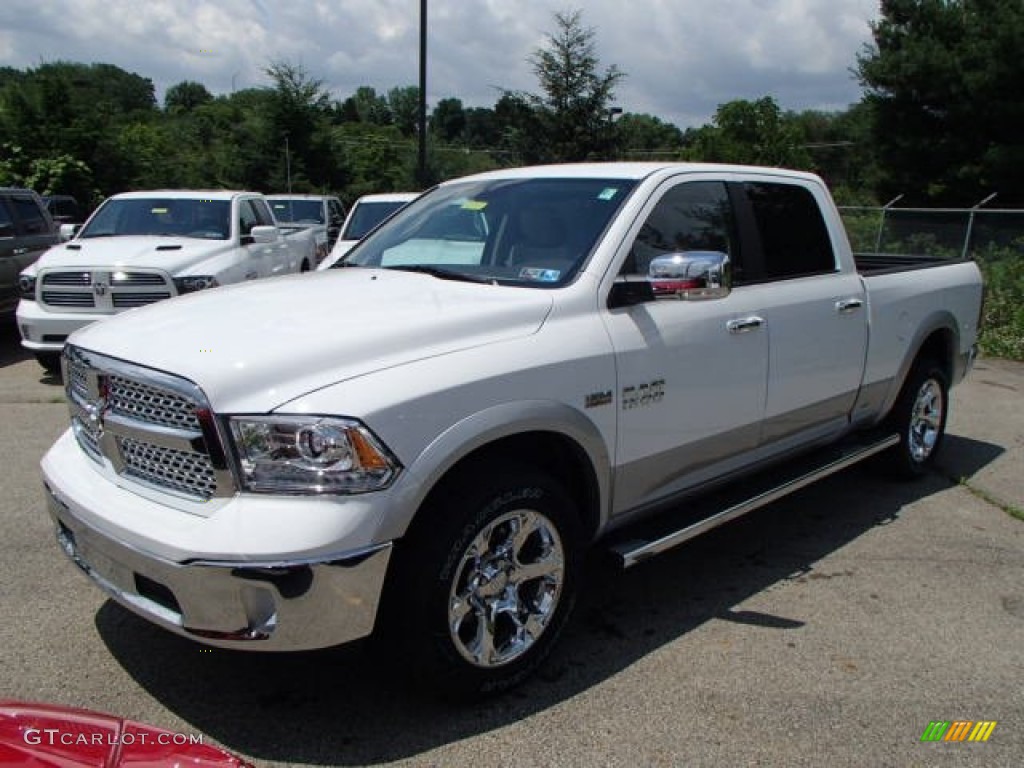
<point>309,454</point>
<point>27,287</point>
<point>195,283</point>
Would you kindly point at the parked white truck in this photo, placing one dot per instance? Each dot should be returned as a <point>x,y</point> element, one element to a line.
<point>141,247</point>
<point>517,367</point>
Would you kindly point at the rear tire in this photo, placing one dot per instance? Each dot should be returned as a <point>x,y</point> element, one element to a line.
<point>485,583</point>
<point>919,418</point>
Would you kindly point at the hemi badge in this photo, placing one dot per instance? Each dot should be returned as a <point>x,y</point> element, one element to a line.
<point>596,399</point>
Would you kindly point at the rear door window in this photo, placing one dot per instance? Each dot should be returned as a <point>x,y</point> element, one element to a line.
<point>794,239</point>
<point>6,222</point>
<point>29,215</point>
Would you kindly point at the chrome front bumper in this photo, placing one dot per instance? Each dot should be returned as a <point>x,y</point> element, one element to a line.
<point>273,606</point>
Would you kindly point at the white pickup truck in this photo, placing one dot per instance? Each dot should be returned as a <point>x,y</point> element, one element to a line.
<point>517,367</point>
<point>141,247</point>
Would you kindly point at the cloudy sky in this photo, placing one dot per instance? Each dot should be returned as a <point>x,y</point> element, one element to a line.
<point>682,58</point>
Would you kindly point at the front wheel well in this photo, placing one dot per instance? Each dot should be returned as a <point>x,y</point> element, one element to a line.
<point>553,453</point>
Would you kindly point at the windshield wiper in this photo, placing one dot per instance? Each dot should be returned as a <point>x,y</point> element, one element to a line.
<point>443,274</point>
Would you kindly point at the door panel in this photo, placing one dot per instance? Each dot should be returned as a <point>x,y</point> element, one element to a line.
<point>691,391</point>
<point>817,340</point>
<point>692,374</point>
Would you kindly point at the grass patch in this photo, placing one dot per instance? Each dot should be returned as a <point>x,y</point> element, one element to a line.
<point>1002,329</point>
<point>1010,509</point>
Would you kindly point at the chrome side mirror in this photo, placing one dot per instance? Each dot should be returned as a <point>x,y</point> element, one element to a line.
<point>691,275</point>
<point>264,234</point>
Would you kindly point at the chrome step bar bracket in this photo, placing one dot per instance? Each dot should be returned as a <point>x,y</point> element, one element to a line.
<point>629,553</point>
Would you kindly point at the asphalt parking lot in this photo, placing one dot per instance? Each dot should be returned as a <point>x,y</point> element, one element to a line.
<point>828,629</point>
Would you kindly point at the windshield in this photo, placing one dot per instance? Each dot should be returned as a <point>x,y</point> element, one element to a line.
<point>299,211</point>
<point>174,217</point>
<point>535,232</point>
<point>366,216</point>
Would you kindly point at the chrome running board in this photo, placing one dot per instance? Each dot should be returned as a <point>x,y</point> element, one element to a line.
<point>632,551</point>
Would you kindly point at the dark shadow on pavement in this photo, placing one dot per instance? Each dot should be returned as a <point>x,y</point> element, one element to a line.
<point>343,707</point>
<point>11,350</point>
<point>963,457</point>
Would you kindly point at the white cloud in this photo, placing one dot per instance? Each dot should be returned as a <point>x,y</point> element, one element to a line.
<point>682,57</point>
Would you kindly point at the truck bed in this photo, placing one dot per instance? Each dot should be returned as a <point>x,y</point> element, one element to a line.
<point>880,263</point>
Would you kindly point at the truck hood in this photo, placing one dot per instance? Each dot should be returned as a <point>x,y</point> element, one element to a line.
<point>255,346</point>
<point>171,254</point>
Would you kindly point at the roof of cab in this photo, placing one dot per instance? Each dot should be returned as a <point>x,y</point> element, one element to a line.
<point>624,170</point>
<point>184,194</point>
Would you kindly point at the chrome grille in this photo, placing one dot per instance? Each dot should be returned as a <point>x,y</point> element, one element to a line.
<point>68,299</point>
<point>67,278</point>
<point>103,290</point>
<point>139,299</point>
<point>144,425</point>
<point>136,278</point>
<point>182,471</point>
<point>77,380</point>
<point>153,405</point>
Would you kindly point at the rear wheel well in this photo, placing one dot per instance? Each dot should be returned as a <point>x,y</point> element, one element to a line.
<point>938,347</point>
<point>555,454</point>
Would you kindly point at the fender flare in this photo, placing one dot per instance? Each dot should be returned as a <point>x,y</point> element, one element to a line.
<point>484,428</point>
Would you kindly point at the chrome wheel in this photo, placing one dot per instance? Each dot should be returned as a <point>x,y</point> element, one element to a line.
<point>926,420</point>
<point>506,588</point>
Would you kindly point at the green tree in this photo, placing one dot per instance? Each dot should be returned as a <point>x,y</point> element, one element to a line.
<point>943,79</point>
<point>448,120</point>
<point>367,107</point>
<point>69,110</point>
<point>186,96</point>
<point>646,137</point>
<point>299,112</point>
<point>750,132</point>
<point>575,104</point>
<point>404,105</point>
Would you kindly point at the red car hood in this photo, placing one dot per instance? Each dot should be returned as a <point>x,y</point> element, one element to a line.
<point>51,736</point>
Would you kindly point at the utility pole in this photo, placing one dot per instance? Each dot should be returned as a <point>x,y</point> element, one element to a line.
<point>288,163</point>
<point>421,166</point>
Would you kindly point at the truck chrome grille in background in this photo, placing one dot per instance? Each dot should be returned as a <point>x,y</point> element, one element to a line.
<point>68,299</point>
<point>67,278</point>
<point>103,290</point>
<point>140,299</point>
<point>144,425</point>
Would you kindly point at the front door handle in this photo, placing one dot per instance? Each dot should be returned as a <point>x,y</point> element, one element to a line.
<point>19,251</point>
<point>846,306</point>
<point>745,324</point>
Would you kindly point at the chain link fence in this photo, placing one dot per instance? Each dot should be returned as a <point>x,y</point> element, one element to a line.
<point>956,232</point>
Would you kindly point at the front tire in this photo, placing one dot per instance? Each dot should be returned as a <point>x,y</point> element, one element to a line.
<point>919,418</point>
<point>486,581</point>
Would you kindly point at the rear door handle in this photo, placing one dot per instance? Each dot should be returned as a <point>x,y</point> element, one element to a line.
<point>19,251</point>
<point>846,306</point>
<point>745,324</point>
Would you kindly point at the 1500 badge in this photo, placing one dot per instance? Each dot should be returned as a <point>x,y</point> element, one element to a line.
<point>640,395</point>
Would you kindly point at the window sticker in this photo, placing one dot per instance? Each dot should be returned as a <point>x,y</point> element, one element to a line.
<point>608,193</point>
<point>474,205</point>
<point>540,275</point>
<point>157,210</point>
